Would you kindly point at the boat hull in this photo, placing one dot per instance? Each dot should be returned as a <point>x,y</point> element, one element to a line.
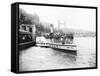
<point>74,52</point>
<point>67,48</point>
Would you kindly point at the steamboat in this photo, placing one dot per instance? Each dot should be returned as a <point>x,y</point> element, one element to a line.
<point>58,41</point>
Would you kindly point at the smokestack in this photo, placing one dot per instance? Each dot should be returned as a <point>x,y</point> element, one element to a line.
<point>51,28</point>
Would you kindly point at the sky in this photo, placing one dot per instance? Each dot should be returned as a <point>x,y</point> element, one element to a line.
<point>74,18</point>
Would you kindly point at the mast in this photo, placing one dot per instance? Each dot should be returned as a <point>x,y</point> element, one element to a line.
<point>58,25</point>
<point>61,24</point>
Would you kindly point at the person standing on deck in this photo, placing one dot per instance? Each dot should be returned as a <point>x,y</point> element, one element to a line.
<point>51,31</point>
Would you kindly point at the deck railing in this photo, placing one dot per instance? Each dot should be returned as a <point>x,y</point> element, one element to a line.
<point>56,45</point>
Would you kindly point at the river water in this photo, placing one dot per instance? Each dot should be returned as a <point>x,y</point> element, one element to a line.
<point>39,58</point>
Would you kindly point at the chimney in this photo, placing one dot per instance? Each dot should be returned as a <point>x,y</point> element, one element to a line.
<point>51,28</point>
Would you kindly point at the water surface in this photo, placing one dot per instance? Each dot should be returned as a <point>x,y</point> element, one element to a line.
<point>39,58</point>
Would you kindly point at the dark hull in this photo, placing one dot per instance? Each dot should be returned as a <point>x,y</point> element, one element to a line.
<point>74,52</point>
<point>26,45</point>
